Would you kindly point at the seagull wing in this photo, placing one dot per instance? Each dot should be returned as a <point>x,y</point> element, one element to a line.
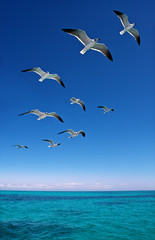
<point>105,108</point>
<point>37,70</point>
<point>100,47</point>
<point>135,34</point>
<point>79,34</point>
<point>36,112</point>
<point>57,78</point>
<point>73,99</point>
<point>69,131</point>
<point>82,104</point>
<point>123,18</point>
<point>82,133</point>
<point>53,114</point>
<point>50,141</point>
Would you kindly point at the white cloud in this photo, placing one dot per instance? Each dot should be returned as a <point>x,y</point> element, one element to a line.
<point>73,186</point>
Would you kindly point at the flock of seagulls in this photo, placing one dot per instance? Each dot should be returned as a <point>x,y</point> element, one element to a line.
<point>88,44</point>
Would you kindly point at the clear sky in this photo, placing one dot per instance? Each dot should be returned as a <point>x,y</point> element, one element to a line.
<point>118,150</point>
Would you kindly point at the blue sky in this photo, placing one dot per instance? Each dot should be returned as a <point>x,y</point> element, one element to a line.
<point>118,150</point>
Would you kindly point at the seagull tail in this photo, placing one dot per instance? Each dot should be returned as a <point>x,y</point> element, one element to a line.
<point>127,28</point>
<point>123,31</point>
<point>83,50</point>
<point>40,80</point>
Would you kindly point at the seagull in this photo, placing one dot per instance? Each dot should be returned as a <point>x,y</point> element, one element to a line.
<point>89,43</point>
<point>42,115</point>
<point>51,143</point>
<point>45,75</point>
<point>19,146</point>
<point>78,101</point>
<point>74,134</point>
<point>106,109</point>
<point>127,26</point>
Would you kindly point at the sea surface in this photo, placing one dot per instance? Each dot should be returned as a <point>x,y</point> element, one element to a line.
<point>77,215</point>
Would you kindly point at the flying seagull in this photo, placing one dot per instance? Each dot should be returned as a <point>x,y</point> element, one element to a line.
<point>89,43</point>
<point>127,26</point>
<point>42,115</point>
<point>45,75</point>
<point>19,146</point>
<point>78,101</point>
<point>51,143</point>
<point>106,109</point>
<point>74,134</point>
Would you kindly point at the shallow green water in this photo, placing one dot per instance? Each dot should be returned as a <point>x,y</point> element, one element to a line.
<point>77,215</point>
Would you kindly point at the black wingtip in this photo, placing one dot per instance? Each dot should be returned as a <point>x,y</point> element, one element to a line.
<point>62,84</point>
<point>117,12</point>
<point>65,29</point>
<point>26,70</point>
<point>61,119</point>
<point>138,40</point>
<point>109,56</point>
<point>68,30</point>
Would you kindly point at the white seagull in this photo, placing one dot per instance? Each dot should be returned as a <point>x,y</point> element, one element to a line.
<point>42,115</point>
<point>106,109</point>
<point>78,101</point>
<point>74,134</point>
<point>51,143</point>
<point>89,43</point>
<point>20,146</point>
<point>45,75</point>
<point>127,26</point>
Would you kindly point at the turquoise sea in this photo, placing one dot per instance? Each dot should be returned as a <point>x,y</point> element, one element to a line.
<point>77,215</point>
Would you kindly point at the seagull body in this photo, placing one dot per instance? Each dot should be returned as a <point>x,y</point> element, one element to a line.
<point>20,146</point>
<point>42,115</point>
<point>45,75</point>
<point>78,101</point>
<point>51,143</point>
<point>106,109</point>
<point>127,26</point>
<point>89,43</point>
<point>74,134</point>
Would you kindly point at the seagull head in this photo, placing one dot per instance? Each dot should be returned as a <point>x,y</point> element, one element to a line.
<point>96,39</point>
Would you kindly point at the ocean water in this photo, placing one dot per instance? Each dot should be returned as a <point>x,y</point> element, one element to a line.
<point>77,215</point>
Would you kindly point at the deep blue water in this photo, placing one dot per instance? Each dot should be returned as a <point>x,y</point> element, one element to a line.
<point>77,215</point>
